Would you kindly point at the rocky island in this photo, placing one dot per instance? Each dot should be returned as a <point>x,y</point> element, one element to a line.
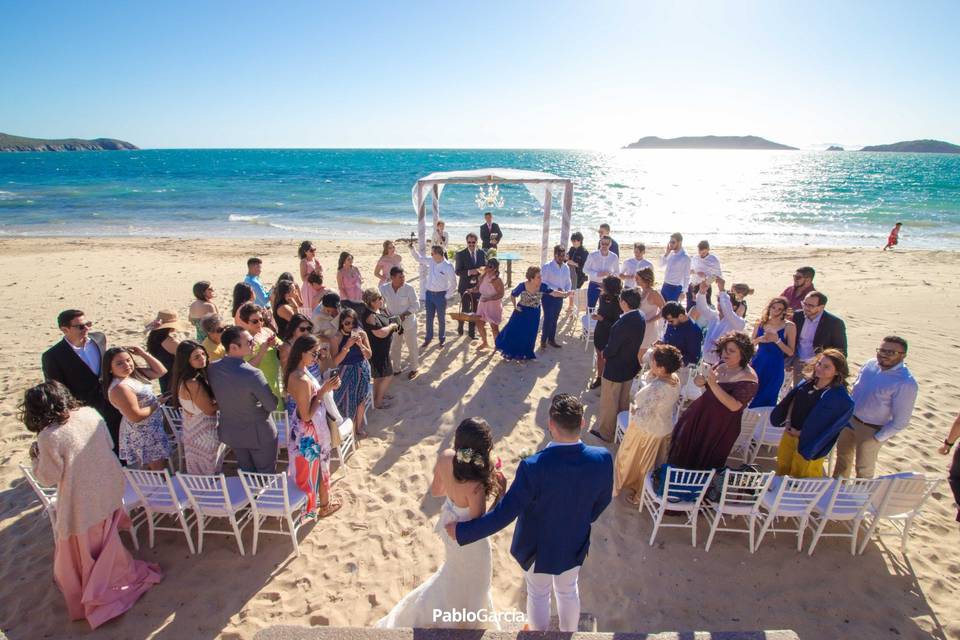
<point>834,147</point>
<point>917,146</point>
<point>707,142</point>
<point>19,143</point>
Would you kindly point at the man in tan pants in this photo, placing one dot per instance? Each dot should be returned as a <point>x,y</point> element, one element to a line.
<point>622,355</point>
<point>883,396</point>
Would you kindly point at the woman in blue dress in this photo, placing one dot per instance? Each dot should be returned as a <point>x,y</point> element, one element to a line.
<point>517,340</point>
<point>775,338</point>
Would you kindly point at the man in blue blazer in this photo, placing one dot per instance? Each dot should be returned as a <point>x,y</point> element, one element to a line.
<point>557,494</point>
<point>622,355</point>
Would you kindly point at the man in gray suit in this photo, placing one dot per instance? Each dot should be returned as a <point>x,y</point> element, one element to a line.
<point>245,403</point>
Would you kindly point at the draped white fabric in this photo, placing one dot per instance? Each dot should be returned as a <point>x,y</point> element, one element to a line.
<point>542,186</point>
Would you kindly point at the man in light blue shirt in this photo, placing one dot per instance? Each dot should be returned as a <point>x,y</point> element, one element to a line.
<point>261,294</point>
<point>883,395</point>
<point>556,275</point>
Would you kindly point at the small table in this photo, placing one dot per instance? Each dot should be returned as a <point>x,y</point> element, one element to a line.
<point>509,258</point>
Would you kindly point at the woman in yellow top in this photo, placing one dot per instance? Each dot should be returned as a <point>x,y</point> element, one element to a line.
<point>265,357</point>
<point>212,325</point>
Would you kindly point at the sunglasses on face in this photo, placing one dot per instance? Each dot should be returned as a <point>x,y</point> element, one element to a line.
<point>84,325</point>
<point>218,330</point>
<point>889,352</point>
<point>255,321</point>
<point>348,323</point>
<point>251,342</point>
<point>316,353</point>
<point>472,242</point>
<point>304,328</point>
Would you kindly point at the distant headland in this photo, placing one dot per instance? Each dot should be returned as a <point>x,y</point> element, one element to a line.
<point>917,146</point>
<point>19,143</point>
<point>707,142</point>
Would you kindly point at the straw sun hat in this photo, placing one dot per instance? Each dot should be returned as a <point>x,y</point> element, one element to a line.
<point>166,319</point>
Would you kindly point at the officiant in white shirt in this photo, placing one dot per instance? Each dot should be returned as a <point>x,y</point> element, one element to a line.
<point>400,299</point>
<point>703,266</point>
<point>556,275</point>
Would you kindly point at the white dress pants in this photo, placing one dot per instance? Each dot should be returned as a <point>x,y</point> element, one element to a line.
<point>564,586</point>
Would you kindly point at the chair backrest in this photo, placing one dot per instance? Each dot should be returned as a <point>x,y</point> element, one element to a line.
<point>686,485</point>
<point>346,428</point>
<point>902,496</point>
<point>689,391</point>
<point>47,495</point>
<point>266,490</point>
<point>206,493</point>
<point>800,494</point>
<point>743,489</point>
<point>174,417</point>
<point>759,417</point>
<point>281,419</point>
<point>154,488</point>
<point>851,496</point>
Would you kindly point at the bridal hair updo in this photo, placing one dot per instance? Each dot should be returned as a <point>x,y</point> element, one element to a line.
<point>471,462</point>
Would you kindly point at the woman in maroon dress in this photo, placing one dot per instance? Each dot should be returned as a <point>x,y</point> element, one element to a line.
<point>707,430</point>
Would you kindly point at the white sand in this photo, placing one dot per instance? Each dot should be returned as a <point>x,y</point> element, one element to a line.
<point>358,563</point>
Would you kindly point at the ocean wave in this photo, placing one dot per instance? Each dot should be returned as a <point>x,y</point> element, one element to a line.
<point>8,195</point>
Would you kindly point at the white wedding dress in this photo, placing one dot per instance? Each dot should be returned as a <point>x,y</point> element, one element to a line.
<point>460,586</point>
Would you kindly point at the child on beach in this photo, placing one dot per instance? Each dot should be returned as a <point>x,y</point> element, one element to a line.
<point>894,236</point>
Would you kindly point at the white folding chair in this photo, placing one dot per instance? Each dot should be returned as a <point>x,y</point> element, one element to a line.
<point>765,435</point>
<point>689,391</point>
<point>683,490</point>
<point>174,419</point>
<point>623,421</point>
<point>271,495</point>
<point>281,420</point>
<point>740,497</point>
<point>589,324</point>
<point>162,496</point>
<point>846,502</point>
<point>348,444</point>
<point>791,499</point>
<point>898,503</point>
<point>47,495</point>
<point>217,496</point>
<point>743,447</point>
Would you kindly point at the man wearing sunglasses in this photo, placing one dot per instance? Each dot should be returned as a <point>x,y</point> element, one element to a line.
<point>883,399</point>
<point>802,285</point>
<point>75,361</point>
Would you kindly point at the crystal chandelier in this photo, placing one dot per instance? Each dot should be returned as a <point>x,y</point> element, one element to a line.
<point>490,198</point>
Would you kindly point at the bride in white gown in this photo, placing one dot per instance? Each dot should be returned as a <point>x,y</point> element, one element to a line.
<point>467,477</point>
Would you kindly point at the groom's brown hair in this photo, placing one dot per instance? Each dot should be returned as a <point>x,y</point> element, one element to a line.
<point>566,412</point>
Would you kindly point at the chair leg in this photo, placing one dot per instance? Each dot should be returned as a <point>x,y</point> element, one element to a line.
<point>201,519</point>
<point>256,531</point>
<point>150,529</point>
<point>236,532</point>
<point>906,531</point>
<point>801,529</point>
<point>293,535</point>
<point>763,530</point>
<point>816,535</point>
<point>868,534</point>
<point>713,530</point>
<point>656,524</point>
<point>753,521</point>
<point>693,528</point>
<point>186,531</point>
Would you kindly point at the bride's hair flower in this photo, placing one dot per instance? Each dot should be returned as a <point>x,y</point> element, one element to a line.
<point>469,456</point>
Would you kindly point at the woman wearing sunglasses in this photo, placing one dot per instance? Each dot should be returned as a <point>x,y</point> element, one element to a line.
<point>351,352</point>
<point>212,325</point>
<point>253,318</point>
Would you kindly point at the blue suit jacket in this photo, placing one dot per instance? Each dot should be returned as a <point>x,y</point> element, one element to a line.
<point>823,425</point>
<point>557,494</point>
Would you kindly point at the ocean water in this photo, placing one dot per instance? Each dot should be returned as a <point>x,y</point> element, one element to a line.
<point>757,198</point>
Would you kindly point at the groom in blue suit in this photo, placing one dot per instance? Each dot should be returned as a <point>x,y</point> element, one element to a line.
<point>557,494</point>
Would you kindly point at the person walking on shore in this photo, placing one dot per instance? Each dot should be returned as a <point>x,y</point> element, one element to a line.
<point>894,238</point>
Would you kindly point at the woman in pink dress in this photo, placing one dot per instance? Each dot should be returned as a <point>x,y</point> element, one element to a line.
<point>387,261</point>
<point>348,279</point>
<point>308,264</point>
<point>98,577</point>
<point>490,307</point>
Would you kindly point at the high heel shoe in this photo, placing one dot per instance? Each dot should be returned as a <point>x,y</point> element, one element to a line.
<point>595,384</point>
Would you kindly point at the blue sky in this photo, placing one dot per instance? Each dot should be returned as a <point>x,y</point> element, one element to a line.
<point>492,74</point>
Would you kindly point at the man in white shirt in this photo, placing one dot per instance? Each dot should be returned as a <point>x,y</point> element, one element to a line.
<point>676,269</point>
<point>632,265</point>
<point>719,321</point>
<point>556,275</point>
<point>703,266</point>
<point>883,399</point>
<point>440,284</point>
<point>401,300</point>
<point>599,265</point>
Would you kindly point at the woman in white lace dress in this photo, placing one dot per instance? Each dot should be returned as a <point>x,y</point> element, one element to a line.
<point>647,440</point>
<point>651,302</point>
<point>142,441</point>
<point>194,397</point>
<point>467,477</point>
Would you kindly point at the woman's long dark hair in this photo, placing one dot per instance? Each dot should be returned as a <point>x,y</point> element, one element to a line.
<point>283,289</point>
<point>295,321</point>
<point>47,403</point>
<point>106,375</point>
<point>343,258</point>
<point>302,345</point>
<point>183,370</point>
<point>242,292</point>
<point>471,461</point>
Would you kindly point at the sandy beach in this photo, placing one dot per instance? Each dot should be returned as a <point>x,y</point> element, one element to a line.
<point>358,563</point>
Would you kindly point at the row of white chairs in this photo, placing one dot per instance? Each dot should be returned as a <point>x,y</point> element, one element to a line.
<point>767,500</point>
<point>281,419</point>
